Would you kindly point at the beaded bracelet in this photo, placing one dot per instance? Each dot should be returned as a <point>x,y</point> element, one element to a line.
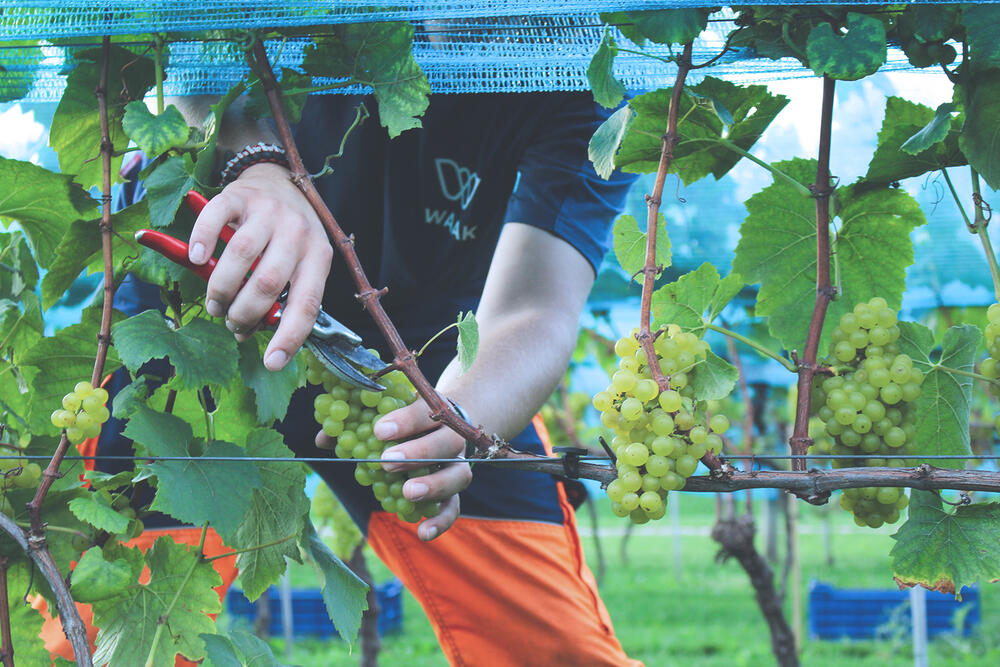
<point>250,155</point>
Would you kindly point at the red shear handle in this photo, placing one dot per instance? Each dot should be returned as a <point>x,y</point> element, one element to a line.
<point>177,252</point>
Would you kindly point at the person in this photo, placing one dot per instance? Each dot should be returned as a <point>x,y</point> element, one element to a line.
<point>492,206</point>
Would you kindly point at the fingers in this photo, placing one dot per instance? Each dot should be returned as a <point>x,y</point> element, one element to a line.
<point>441,443</point>
<point>431,528</point>
<point>439,485</point>
<point>406,422</point>
<point>205,234</point>
<point>302,306</point>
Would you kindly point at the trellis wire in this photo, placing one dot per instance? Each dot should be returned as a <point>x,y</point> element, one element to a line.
<point>502,53</point>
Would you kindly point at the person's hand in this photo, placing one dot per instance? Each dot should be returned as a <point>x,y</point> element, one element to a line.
<point>271,217</point>
<point>425,439</point>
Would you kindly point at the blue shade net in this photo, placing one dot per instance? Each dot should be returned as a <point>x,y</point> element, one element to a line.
<point>481,46</point>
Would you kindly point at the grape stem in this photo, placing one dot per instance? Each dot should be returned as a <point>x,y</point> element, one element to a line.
<point>807,367</point>
<point>984,238</point>
<point>760,349</point>
<point>650,268</point>
<point>250,549</point>
<point>957,371</point>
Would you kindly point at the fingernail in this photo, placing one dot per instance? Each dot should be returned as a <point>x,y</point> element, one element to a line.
<point>232,326</point>
<point>428,533</point>
<point>214,308</point>
<point>276,360</point>
<point>415,491</point>
<point>384,430</point>
<point>196,253</point>
<point>389,456</point>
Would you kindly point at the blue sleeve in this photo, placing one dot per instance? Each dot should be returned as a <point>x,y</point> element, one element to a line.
<point>557,188</point>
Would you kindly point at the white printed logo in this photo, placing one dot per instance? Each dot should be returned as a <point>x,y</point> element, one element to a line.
<point>457,183</point>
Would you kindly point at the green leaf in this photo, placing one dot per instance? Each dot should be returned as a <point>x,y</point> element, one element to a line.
<point>272,389</point>
<point>166,187</point>
<point>202,352</point>
<point>276,515</point>
<point>777,248</point>
<point>43,203</point>
<point>980,138</point>
<point>240,649</point>
<point>22,274</point>
<point>75,133</point>
<point>944,551</point>
<point>728,288</point>
<point>944,404</point>
<point>713,378</point>
<point>197,491</point>
<point>95,509</point>
<point>903,120</point>
<point>608,91</point>
<point>684,301</point>
<point>63,360</point>
<point>127,401</point>
<point>856,54</point>
<point>293,96</point>
<point>81,247</point>
<point>468,340</point>
<point>630,244</point>
<point>981,23</point>
<point>155,134</point>
<point>932,133</point>
<point>160,433</point>
<point>669,26</point>
<point>606,140</point>
<point>96,579</point>
<point>25,622</point>
<point>128,622</point>
<point>344,593</point>
<point>700,150</point>
<point>377,55</point>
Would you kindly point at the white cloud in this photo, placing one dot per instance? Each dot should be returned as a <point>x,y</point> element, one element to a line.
<point>19,134</point>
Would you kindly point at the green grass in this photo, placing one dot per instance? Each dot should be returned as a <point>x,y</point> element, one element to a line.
<point>707,616</point>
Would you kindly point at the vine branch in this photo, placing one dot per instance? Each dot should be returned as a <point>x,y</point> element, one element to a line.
<point>403,357</point>
<point>6,641</point>
<point>800,439</point>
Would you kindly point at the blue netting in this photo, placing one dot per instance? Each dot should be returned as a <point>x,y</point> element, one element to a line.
<point>499,54</point>
<point>44,19</point>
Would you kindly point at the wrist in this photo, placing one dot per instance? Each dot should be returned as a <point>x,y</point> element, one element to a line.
<point>250,156</point>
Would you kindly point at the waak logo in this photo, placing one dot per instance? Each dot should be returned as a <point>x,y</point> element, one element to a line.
<point>458,184</point>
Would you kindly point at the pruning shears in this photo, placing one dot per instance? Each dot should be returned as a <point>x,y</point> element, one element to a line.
<point>336,346</point>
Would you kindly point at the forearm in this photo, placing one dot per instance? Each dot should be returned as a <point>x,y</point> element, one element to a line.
<point>237,130</point>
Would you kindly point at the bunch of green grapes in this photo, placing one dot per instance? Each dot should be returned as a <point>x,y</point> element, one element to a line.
<point>348,414</point>
<point>330,514</point>
<point>658,437</point>
<point>991,365</point>
<point>82,413</point>
<point>16,473</point>
<point>868,407</point>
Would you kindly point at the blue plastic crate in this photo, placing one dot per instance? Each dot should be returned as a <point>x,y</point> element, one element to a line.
<point>309,617</point>
<point>851,613</point>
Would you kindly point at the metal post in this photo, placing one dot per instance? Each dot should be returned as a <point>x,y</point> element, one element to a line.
<point>675,529</point>
<point>918,618</point>
<point>287,624</point>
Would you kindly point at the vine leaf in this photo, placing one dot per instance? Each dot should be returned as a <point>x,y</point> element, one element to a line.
<point>194,491</point>
<point>277,511</point>
<point>75,133</point>
<point>25,621</point>
<point>856,54</point>
<point>95,509</point>
<point>24,271</point>
<point>162,434</point>
<point>293,96</point>
<point>944,551</point>
<point>932,133</point>
<point>980,138</point>
<point>944,405</point>
<point>699,151</point>
<point>61,361</point>
<point>43,203</point>
<point>203,352</point>
<point>663,26</point>
<point>608,91</point>
<point>155,134</point>
<point>777,248</point>
<point>166,186</point>
<point>981,24</point>
<point>713,378</point>
<point>80,248</point>
<point>377,55</point>
<point>630,244</point>
<point>128,622</point>
<point>468,340</point>
<point>95,578</point>
<point>606,140</point>
<point>239,649</point>
<point>344,593</point>
<point>903,121</point>
<point>684,301</point>
<point>272,390</point>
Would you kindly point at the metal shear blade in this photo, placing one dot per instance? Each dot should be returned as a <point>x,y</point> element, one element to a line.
<point>336,360</point>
